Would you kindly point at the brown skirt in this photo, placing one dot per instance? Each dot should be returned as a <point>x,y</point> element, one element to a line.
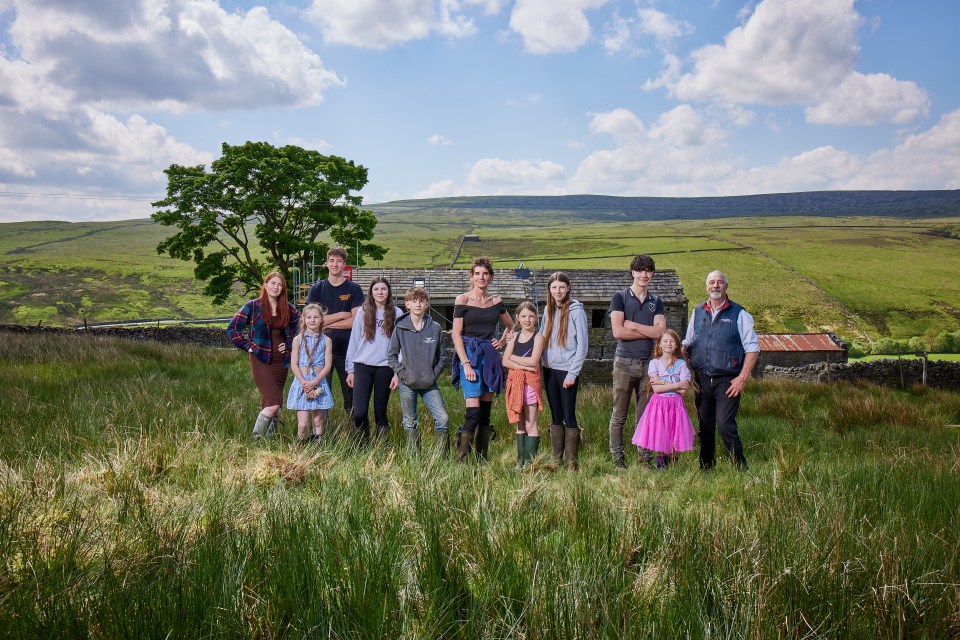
<point>270,378</point>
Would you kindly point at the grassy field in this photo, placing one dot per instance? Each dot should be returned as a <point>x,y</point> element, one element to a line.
<point>858,276</point>
<point>134,504</point>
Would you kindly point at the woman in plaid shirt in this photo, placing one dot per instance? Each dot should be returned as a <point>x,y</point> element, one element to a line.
<point>264,327</point>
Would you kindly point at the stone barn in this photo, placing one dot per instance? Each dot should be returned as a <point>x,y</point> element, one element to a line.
<point>797,350</point>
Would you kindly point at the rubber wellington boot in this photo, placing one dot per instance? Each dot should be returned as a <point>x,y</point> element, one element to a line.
<point>521,450</point>
<point>557,442</point>
<point>443,444</point>
<point>531,445</point>
<point>571,448</point>
<point>413,441</point>
<point>261,426</point>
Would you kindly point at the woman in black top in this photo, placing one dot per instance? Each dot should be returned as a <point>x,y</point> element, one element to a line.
<point>476,358</point>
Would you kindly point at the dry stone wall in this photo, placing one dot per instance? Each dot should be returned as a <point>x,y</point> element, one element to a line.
<point>892,372</point>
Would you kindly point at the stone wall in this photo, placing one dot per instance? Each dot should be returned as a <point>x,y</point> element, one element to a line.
<point>209,336</point>
<point>902,373</point>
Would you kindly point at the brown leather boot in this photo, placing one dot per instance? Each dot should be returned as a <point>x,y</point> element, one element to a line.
<point>571,448</point>
<point>464,444</point>
<point>557,442</point>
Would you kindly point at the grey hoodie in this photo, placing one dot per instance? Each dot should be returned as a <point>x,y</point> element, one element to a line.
<point>569,359</point>
<point>416,357</point>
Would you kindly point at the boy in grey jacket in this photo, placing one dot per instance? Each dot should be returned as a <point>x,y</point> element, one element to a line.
<point>416,354</point>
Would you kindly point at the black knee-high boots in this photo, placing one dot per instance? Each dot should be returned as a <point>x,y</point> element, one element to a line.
<point>484,430</point>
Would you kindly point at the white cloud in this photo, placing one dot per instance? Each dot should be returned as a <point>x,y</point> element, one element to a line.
<point>817,169</point>
<point>683,153</point>
<point>442,189</point>
<point>679,153</point>
<point>75,74</point>
<point>552,26</point>
<point>178,55</point>
<point>438,140</point>
<point>379,24</point>
<point>497,174</point>
<point>788,51</point>
<point>927,160</point>
<point>870,99</point>
<point>663,27</point>
<point>618,35</point>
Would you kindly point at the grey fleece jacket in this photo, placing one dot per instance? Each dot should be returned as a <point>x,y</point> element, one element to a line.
<point>416,357</point>
<point>570,358</point>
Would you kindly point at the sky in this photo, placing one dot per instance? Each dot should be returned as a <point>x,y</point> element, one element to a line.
<point>445,98</point>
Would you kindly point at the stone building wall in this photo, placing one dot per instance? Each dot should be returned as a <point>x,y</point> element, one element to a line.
<point>796,359</point>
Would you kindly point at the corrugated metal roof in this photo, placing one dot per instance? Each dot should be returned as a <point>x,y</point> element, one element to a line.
<point>796,342</point>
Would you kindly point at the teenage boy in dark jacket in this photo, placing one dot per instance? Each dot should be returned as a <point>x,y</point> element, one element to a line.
<point>416,354</point>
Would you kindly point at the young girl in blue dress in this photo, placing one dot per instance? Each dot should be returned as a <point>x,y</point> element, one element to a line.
<point>310,362</point>
<point>665,426</point>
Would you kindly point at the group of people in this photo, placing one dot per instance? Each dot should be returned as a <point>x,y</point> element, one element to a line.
<point>376,347</point>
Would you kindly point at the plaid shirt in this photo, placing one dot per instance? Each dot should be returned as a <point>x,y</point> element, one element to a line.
<point>251,315</point>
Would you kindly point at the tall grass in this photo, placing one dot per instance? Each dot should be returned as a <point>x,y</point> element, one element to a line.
<point>134,504</point>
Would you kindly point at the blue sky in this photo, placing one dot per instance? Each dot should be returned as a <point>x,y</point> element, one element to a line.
<point>479,97</point>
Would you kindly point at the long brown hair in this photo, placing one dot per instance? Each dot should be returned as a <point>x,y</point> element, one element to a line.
<point>370,311</point>
<point>561,311</point>
<point>282,318</point>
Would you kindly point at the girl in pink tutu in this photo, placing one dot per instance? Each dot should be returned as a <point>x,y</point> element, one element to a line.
<point>665,426</point>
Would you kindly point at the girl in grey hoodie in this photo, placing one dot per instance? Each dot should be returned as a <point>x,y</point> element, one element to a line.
<point>564,328</point>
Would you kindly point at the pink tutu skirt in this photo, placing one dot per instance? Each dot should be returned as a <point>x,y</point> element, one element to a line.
<point>665,426</point>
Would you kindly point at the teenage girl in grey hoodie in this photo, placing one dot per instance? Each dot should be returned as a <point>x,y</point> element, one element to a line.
<point>564,328</point>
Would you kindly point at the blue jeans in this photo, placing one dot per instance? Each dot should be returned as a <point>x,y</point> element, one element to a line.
<point>433,400</point>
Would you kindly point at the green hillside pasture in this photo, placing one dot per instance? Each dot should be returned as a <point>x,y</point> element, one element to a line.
<point>134,504</point>
<point>901,280</point>
<point>63,273</point>
<point>60,273</point>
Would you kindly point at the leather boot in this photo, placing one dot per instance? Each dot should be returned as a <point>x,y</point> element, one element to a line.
<point>361,432</point>
<point>557,442</point>
<point>471,420</point>
<point>464,444</point>
<point>571,448</point>
<point>383,430</point>
<point>532,444</point>
<point>521,450</point>
<point>482,442</point>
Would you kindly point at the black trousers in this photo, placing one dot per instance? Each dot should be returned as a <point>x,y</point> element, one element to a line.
<point>563,402</point>
<point>340,366</point>
<point>717,412</point>
<point>369,381</point>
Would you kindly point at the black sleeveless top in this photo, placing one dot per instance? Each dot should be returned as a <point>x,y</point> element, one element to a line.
<point>479,322</point>
<point>524,349</point>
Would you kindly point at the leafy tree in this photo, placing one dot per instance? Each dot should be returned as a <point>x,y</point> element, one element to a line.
<point>259,208</point>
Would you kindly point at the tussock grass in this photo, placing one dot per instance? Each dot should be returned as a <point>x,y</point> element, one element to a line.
<point>133,503</point>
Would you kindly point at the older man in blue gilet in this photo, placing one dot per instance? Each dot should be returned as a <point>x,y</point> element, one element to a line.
<point>721,348</point>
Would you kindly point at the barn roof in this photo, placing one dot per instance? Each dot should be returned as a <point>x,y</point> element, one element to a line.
<point>797,342</point>
<point>590,286</point>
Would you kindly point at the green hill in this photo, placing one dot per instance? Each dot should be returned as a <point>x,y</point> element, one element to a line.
<point>858,263</point>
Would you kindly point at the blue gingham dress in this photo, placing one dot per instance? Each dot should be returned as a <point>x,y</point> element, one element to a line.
<point>296,399</point>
